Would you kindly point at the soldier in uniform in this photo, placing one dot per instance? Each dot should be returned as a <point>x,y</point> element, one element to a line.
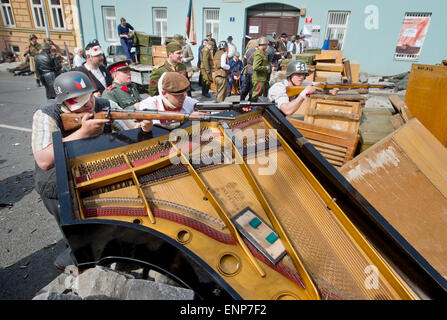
<point>172,64</point>
<point>260,69</point>
<point>122,91</point>
<point>33,49</point>
<point>221,68</point>
<point>206,68</point>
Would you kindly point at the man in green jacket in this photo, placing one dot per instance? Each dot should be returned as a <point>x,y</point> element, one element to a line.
<point>122,91</point>
<point>260,69</point>
<point>174,63</point>
<point>206,68</point>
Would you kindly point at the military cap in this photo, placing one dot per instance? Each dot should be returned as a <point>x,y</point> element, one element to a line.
<point>173,46</point>
<point>209,34</point>
<point>210,42</point>
<point>177,37</point>
<point>32,36</point>
<point>174,82</point>
<point>120,65</point>
<point>229,38</point>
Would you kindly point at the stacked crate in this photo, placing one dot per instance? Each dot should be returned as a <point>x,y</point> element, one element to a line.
<point>332,66</point>
<point>145,43</point>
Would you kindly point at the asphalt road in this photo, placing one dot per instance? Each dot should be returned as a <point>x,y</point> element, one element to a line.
<point>29,236</point>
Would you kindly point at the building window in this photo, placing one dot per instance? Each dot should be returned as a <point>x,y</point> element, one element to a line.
<point>337,25</point>
<point>412,36</point>
<point>211,17</point>
<point>15,50</point>
<point>110,25</point>
<point>39,19</point>
<point>8,17</point>
<point>160,22</point>
<point>57,16</point>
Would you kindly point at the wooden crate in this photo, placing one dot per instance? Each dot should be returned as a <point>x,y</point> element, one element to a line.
<point>159,51</point>
<point>147,40</point>
<point>355,70</point>
<point>333,114</point>
<point>146,60</point>
<point>325,76</point>
<point>426,97</point>
<point>331,67</point>
<point>404,178</point>
<point>338,147</point>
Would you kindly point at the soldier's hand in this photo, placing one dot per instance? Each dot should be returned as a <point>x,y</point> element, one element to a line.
<point>334,91</point>
<point>97,94</point>
<point>309,90</point>
<point>92,127</point>
<point>145,125</point>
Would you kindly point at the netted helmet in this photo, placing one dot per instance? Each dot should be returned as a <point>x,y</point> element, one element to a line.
<point>222,45</point>
<point>296,66</point>
<point>72,84</point>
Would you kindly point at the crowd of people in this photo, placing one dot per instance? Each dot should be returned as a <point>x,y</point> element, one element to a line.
<point>92,84</point>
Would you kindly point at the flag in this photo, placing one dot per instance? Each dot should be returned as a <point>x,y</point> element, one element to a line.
<point>326,44</point>
<point>80,84</point>
<point>190,27</point>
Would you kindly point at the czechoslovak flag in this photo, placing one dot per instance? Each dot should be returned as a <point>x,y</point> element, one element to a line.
<point>80,84</point>
<point>190,28</point>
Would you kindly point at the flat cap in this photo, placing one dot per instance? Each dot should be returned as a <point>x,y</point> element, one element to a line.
<point>174,82</point>
<point>173,46</point>
<point>120,65</point>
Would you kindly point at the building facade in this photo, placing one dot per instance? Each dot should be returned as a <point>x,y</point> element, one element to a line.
<point>384,37</point>
<point>54,19</point>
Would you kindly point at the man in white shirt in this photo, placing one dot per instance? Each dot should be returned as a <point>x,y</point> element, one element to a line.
<point>295,74</point>
<point>95,69</point>
<point>173,89</point>
<point>78,59</point>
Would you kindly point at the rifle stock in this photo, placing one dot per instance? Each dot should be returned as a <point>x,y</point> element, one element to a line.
<point>73,121</point>
<point>296,90</point>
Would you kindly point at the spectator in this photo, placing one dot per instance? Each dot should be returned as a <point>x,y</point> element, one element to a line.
<point>231,47</point>
<point>236,77</point>
<point>78,59</point>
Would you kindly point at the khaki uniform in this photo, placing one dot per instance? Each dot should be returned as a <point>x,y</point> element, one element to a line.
<point>206,67</point>
<point>34,50</point>
<point>220,77</point>
<point>158,72</point>
<point>260,73</point>
<point>124,95</point>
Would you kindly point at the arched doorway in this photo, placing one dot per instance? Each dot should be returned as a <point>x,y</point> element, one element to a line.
<point>265,19</point>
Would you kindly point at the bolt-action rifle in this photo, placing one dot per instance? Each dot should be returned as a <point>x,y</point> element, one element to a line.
<point>72,121</point>
<point>296,90</point>
<point>228,106</point>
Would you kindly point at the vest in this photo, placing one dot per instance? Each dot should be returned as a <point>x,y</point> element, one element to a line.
<point>219,71</point>
<point>45,180</point>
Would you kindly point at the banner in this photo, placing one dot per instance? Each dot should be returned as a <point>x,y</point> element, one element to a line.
<point>190,26</point>
<point>412,36</point>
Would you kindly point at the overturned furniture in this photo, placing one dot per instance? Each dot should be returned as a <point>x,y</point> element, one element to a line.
<point>267,217</point>
<point>404,178</point>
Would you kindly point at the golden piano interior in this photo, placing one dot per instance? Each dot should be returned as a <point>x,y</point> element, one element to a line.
<point>233,228</point>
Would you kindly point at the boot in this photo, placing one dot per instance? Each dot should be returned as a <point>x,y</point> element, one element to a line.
<point>38,83</point>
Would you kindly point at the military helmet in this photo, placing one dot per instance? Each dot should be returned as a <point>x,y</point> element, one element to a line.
<point>262,40</point>
<point>296,66</point>
<point>72,84</point>
<point>222,45</point>
<point>32,36</point>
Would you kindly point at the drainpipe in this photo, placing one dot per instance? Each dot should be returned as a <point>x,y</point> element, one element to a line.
<point>81,28</point>
<point>44,9</point>
<point>94,20</point>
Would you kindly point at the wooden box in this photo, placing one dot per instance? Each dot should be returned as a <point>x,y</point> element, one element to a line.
<point>159,51</point>
<point>426,97</point>
<point>306,57</point>
<point>159,60</point>
<point>331,67</point>
<point>145,50</point>
<point>147,40</point>
<point>338,147</point>
<point>404,178</point>
<point>333,44</point>
<point>355,70</point>
<point>326,76</point>
<point>333,114</point>
<point>146,60</point>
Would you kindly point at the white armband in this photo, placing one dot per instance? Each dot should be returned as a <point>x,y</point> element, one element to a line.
<point>305,93</point>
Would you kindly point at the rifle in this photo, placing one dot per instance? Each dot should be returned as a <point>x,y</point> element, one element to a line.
<point>296,90</point>
<point>72,121</point>
<point>228,106</point>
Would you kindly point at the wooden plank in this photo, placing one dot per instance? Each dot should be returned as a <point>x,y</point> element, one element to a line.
<point>404,178</point>
<point>426,98</point>
<point>397,121</point>
<point>325,76</point>
<point>347,70</point>
<point>355,70</point>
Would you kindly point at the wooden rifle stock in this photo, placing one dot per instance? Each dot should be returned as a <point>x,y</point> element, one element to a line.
<point>296,90</point>
<point>73,121</point>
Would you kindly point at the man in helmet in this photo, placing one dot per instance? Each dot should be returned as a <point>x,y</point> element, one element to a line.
<point>295,74</point>
<point>206,67</point>
<point>47,69</point>
<point>260,69</point>
<point>221,70</point>
<point>74,93</point>
<point>33,50</point>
